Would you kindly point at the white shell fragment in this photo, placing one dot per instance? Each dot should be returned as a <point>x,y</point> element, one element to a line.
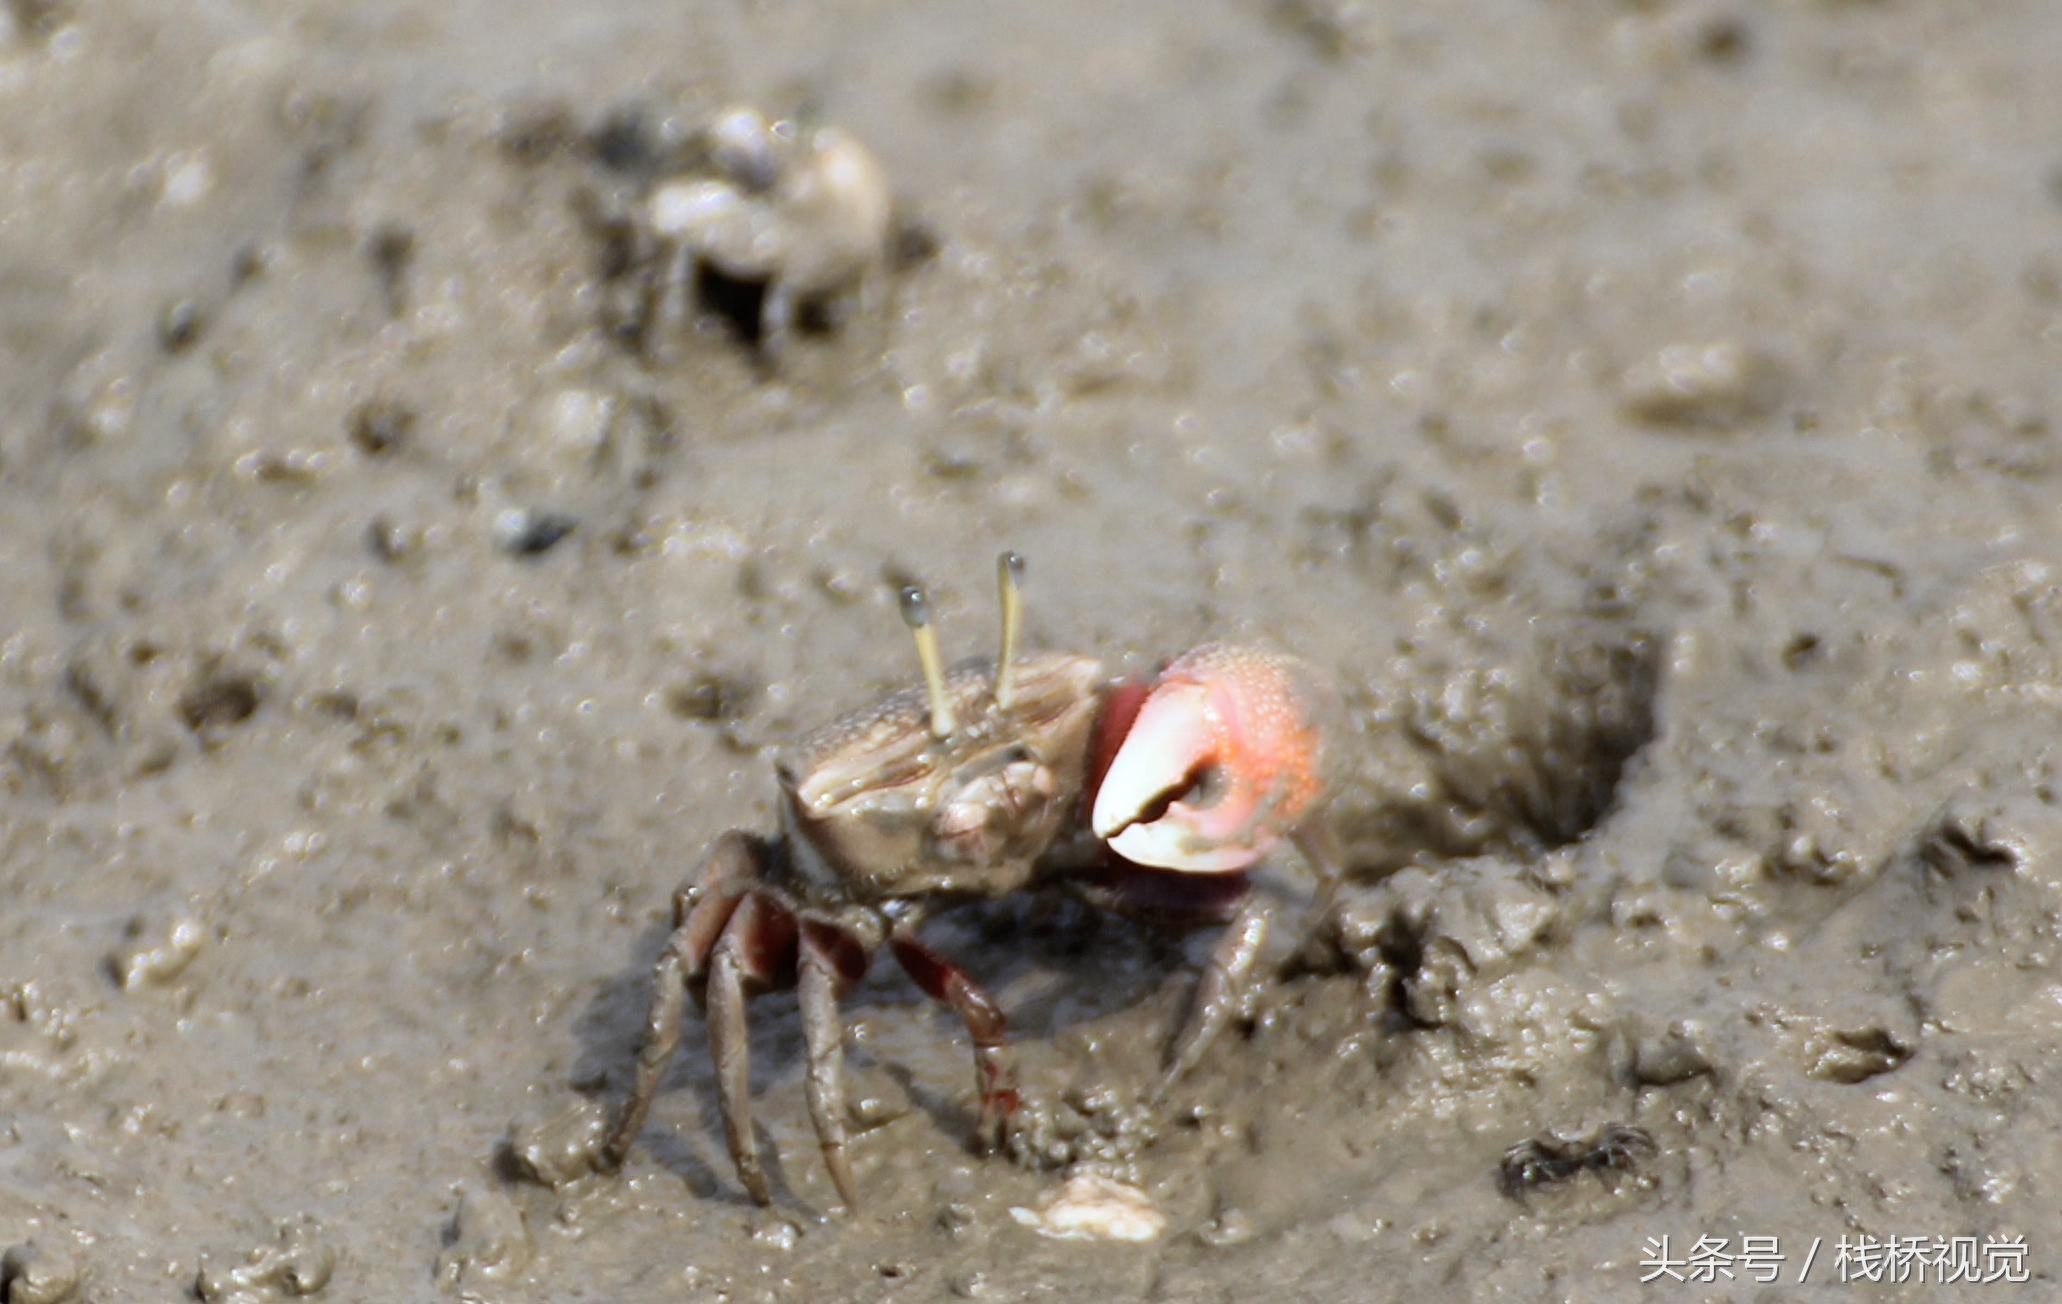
<point>1091,1207</point>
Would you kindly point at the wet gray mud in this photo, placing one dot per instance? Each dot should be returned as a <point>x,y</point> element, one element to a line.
<point>1645,410</point>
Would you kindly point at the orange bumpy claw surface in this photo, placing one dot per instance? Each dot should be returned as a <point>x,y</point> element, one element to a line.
<point>1224,758</point>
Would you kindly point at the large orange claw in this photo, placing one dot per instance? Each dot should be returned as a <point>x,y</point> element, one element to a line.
<point>1224,758</point>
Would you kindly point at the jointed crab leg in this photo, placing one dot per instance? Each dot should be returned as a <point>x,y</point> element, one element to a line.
<point>700,914</point>
<point>1221,992</point>
<point>1318,843</point>
<point>725,1005</point>
<point>824,1033</point>
<point>1224,988</point>
<point>995,1073</point>
<point>661,1038</point>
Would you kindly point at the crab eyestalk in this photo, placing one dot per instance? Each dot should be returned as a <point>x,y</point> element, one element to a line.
<point>916,613</point>
<point>1009,578</point>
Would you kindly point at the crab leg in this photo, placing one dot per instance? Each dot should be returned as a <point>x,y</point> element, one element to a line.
<point>995,1073</point>
<point>725,1007</point>
<point>700,914</point>
<point>1318,844</point>
<point>824,1033</point>
<point>1221,992</point>
<point>661,1038</point>
<point>1224,989</point>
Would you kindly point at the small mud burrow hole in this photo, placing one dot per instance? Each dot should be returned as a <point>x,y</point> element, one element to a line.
<point>1605,717</point>
<point>1526,759</point>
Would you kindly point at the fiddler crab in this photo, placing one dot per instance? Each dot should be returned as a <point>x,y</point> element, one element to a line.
<point>1150,796</point>
<point>789,221</point>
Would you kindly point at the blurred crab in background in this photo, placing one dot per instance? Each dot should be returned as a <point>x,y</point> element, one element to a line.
<point>1151,796</point>
<point>779,225</point>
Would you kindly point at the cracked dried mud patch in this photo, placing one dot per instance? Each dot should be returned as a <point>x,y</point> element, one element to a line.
<point>1646,411</point>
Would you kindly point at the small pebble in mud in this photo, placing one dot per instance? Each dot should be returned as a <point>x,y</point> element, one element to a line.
<point>299,1265</point>
<point>524,532</point>
<point>1549,1160</point>
<point>33,1274</point>
<point>1092,1207</point>
<point>1708,385</point>
<point>558,1149</point>
<point>152,956</point>
<point>489,1242</point>
<point>179,325</point>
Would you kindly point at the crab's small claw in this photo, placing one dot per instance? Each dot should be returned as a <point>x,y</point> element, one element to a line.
<point>1224,758</point>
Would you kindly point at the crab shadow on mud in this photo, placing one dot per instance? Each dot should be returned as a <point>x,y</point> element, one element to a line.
<point>1056,962</point>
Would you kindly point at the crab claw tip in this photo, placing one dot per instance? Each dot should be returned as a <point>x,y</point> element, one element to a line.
<point>1145,808</point>
<point>1219,763</point>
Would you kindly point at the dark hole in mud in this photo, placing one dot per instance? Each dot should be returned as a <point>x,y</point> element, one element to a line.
<point>1601,726</point>
<point>220,701</point>
<point>1402,948</point>
<point>737,300</point>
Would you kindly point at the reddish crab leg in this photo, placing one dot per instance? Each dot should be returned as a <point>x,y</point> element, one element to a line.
<point>995,1074</point>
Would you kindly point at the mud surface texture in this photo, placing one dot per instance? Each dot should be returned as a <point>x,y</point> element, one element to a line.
<point>1646,410</point>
